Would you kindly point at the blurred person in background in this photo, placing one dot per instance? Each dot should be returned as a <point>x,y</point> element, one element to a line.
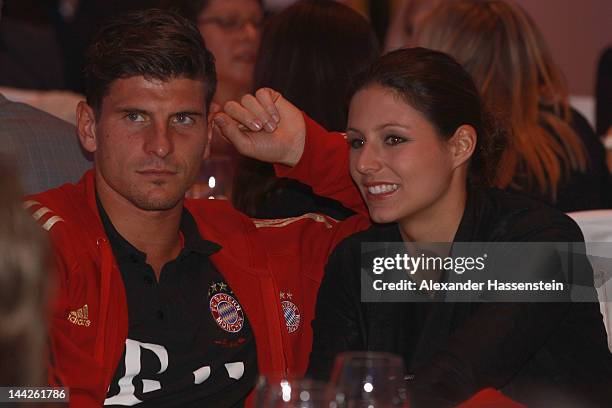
<point>603,93</point>
<point>26,39</point>
<point>42,45</point>
<point>400,32</point>
<point>23,287</point>
<point>45,148</point>
<point>61,30</point>
<point>553,154</point>
<point>603,100</point>
<point>30,56</point>
<point>231,30</point>
<point>309,53</point>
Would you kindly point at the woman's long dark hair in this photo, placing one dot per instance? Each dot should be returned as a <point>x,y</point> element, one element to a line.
<point>309,53</point>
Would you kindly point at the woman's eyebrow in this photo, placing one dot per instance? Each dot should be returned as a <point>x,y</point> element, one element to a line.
<point>392,124</point>
<point>381,126</point>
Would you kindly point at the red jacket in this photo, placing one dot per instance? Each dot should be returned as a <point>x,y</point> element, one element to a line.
<point>272,265</point>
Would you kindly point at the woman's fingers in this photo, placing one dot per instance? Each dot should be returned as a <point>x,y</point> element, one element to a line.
<point>254,106</point>
<point>258,112</point>
<point>243,116</point>
<point>229,129</point>
<point>284,127</point>
<point>214,108</point>
<point>267,97</point>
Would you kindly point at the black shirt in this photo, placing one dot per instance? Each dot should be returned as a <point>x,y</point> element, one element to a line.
<point>456,349</point>
<point>189,342</point>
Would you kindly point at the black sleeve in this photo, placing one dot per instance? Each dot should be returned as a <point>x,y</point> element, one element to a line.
<point>494,341</point>
<point>487,350</point>
<point>498,341</point>
<point>338,324</point>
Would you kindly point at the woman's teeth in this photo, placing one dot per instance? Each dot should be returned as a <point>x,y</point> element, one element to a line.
<point>382,188</point>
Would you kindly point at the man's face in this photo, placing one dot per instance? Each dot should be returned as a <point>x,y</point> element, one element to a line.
<point>148,140</point>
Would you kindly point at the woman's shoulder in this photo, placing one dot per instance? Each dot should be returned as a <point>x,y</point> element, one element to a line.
<point>352,246</point>
<point>507,216</point>
<point>375,233</point>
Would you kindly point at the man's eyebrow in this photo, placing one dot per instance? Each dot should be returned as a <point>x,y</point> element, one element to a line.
<point>127,109</point>
<point>189,112</point>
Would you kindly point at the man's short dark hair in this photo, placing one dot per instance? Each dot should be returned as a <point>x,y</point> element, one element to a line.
<point>155,44</point>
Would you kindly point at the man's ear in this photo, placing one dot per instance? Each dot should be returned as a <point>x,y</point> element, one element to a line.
<point>86,127</point>
<point>463,144</point>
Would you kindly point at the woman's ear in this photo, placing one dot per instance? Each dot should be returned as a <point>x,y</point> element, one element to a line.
<point>462,144</point>
<point>86,127</point>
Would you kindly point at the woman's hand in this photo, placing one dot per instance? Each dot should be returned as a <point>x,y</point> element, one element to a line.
<point>264,126</point>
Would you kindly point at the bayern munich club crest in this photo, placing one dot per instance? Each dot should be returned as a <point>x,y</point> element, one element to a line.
<point>291,312</point>
<point>227,312</point>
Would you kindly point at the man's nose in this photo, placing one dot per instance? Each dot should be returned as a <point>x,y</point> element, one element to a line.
<point>160,141</point>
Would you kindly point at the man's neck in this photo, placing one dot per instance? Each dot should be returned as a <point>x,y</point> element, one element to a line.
<point>156,233</point>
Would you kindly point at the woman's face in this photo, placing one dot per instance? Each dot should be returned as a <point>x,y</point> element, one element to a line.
<point>397,159</point>
<point>231,30</point>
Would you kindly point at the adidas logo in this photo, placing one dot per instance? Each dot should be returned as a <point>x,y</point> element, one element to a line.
<point>44,216</point>
<point>80,317</point>
<point>283,222</point>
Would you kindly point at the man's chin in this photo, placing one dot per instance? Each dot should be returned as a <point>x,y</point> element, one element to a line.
<point>157,202</point>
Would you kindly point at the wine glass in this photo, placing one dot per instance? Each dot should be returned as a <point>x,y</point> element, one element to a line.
<point>369,379</point>
<point>214,180</point>
<point>297,393</point>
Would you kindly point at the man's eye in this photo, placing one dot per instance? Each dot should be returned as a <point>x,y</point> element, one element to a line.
<point>135,117</point>
<point>355,143</point>
<point>393,140</point>
<point>183,119</point>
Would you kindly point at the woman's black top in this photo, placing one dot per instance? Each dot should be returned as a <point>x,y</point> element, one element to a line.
<point>527,350</point>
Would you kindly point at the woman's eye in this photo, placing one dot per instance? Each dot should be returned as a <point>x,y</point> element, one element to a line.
<point>183,119</point>
<point>135,117</point>
<point>393,140</point>
<point>355,143</point>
